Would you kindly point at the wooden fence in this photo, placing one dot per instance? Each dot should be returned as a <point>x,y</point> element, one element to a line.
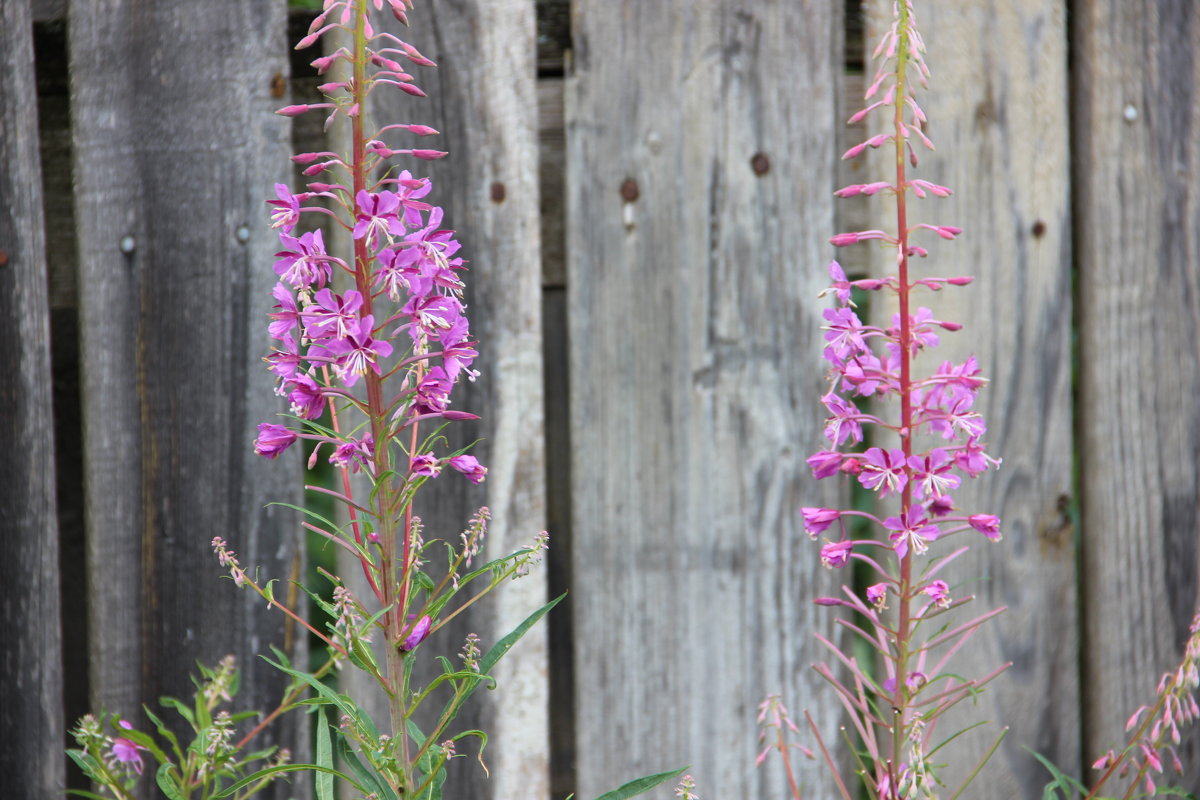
<point>645,191</point>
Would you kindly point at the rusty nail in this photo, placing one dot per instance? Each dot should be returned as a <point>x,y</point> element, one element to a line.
<point>498,192</point>
<point>3,258</point>
<point>760,164</point>
<point>630,190</point>
<point>1038,230</point>
<point>278,85</point>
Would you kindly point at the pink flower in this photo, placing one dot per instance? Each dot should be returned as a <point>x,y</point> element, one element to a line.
<point>825,463</point>
<point>844,332</point>
<point>910,529</point>
<point>840,284</point>
<point>305,397</point>
<point>377,217</point>
<point>357,352</point>
<point>304,261</point>
<point>273,439</point>
<point>972,460</point>
<point>817,520</point>
<point>425,464</point>
<point>469,466</point>
<point>836,554</point>
<point>987,524</point>
<point>417,634</point>
<point>883,471</point>
<point>844,424</point>
<point>332,316</point>
<point>931,474</point>
<point>353,454</point>
<point>286,211</point>
<point>877,595</point>
<point>125,753</point>
<point>939,593</point>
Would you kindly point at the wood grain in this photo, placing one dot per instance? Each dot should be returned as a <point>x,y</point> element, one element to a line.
<point>32,729</point>
<point>694,341</point>
<point>176,147</point>
<point>483,99</point>
<point>997,109</point>
<point>1137,148</point>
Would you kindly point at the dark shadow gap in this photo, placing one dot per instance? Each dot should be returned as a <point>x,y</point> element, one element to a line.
<point>58,205</point>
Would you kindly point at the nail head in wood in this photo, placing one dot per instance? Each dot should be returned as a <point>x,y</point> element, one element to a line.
<point>1038,230</point>
<point>760,163</point>
<point>498,192</point>
<point>630,191</point>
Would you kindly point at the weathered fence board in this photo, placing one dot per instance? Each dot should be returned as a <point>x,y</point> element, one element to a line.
<point>176,147</point>
<point>31,723</point>
<point>691,369</point>
<point>483,100</point>
<point>997,109</point>
<point>1137,149</point>
<point>699,197</point>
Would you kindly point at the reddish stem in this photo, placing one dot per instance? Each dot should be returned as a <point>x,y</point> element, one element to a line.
<point>904,629</point>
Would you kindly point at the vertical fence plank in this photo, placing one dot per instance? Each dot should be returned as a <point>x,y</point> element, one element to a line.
<point>997,109</point>
<point>699,141</point>
<point>1137,145</point>
<point>31,731</point>
<point>176,147</point>
<point>483,100</point>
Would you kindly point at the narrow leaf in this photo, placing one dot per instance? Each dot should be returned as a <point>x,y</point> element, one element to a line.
<point>269,771</point>
<point>324,782</point>
<point>504,645</point>
<point>167,783</point>
<point>640,785</point>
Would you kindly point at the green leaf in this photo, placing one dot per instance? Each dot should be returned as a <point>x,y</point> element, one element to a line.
<point>645,784</point>
<point>168,784</point>
<point>164,732</point>
<point>504,645</point>
<point>82,793</point>
<point>267,772</point>
<point>343,703</point>
<point>182,708</point>
<point>324,758</point>
<point>1066,784</point>
<point>347,756</point>
<point>89,765</point>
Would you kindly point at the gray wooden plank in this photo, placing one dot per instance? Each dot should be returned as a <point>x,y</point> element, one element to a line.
<point>484,100</point>
<point>695,372</point>
<point>49,9</point>
<point>997,109</point>
<point>31,729</point>
<point>176,147</point>
<point>1137,149</point>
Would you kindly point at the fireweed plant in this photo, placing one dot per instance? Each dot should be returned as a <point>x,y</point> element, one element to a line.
<point>903,614</point>
<point>368,373</point>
